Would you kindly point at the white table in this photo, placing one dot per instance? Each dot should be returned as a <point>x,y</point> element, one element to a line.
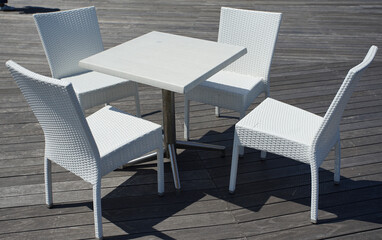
<point>170,62</point>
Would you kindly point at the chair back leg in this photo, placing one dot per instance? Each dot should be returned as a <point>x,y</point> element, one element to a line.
<point>337,163</point>
<point>241,148</point>
<point>234,164</point>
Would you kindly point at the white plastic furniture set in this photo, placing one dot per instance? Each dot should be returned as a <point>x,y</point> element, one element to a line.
<point>94,146</point>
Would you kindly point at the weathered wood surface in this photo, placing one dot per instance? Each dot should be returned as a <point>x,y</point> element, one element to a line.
<point>319,42</point>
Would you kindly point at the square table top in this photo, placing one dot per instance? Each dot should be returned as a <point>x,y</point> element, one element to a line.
<point>166,61</point>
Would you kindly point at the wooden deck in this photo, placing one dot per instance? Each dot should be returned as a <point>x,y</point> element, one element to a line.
<point>319,42</point>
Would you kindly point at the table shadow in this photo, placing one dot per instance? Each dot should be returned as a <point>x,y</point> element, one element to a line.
<point>32,10</point>
<point>263,188</point>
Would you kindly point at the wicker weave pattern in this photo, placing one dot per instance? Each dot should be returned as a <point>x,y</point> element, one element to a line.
<point>241,82</point>
<point>323,140</point>
<point>228,90</point>
<point>255,30</point>
<point>92,147</point>
<point>280,128</point>
<point>70,36</point>
<point>140,135</point>
<point>94,88</point>
<point>68,140</point>
<point>285,130</point>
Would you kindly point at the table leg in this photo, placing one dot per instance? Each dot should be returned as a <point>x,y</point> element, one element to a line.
<point>170,143</point>
<point>169,132</point>
<point>200,146</point>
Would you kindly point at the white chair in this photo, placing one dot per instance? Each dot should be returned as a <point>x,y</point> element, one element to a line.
<point>88,147</point>
<point>237,86</point>
<point>70,36</point>
<point>294,133</point>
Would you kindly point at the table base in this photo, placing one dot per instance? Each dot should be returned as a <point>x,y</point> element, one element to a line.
<point>172,156</point>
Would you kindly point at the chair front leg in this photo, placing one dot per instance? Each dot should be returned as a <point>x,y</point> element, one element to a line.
<point>337,164</point>
<point>234,165</point>
<point>97,210</point>
<point>314,192</point>
<point>217,111</point>
<point>137,101</point>
<point>160,170</point>
<point>48,182</point>
<point>186,118</point>
<point>241,148</point>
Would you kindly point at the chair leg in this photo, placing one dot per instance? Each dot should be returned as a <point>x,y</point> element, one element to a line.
<point>263,155</point>
<point>160,171</point>
<point>234,164</point>
<point>186,118</point>
<point>48,182</point>
<point>97,210</point>
<point>267,92</point>
<point>137,101</point>
<point>217,111</point>
<point>314,193</point>
<point>337,164</point>
<point>241,148</point>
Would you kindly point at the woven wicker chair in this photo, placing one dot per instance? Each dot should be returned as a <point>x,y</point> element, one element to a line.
<point>237,86</point>
<point>91,147</point>
<point>294,133</point>
<point>70,36</point>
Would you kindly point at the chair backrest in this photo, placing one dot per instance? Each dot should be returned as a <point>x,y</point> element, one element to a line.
<point>68,37</point>
<point>255,30</point>
<point>324,138</point>
<point>68,140</point>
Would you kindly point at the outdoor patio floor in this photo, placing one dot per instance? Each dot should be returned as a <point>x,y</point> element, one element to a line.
<point>319,41</point>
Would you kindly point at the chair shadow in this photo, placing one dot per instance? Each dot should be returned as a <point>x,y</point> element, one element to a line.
<point>279,177</point>
<point>135,208</point>
<point>33,10</point>
<point>151,113</point>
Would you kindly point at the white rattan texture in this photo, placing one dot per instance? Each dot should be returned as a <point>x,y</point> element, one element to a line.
<point>279,128</point>
<point>94,88</point>
<point>113,130</point>
<point>240,83</point>
<point>228,90</point>
<point>285,130</point>
<point>323,139</point>
<point>91,147</point>
<point>68,37</point>
<point>255,30</point>
<point>68,140</point>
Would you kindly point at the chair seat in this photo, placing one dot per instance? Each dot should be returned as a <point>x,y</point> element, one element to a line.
<point>94,88</point>
<point>113,129</point>
<point>280,128</point>
<point>228,90</point>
